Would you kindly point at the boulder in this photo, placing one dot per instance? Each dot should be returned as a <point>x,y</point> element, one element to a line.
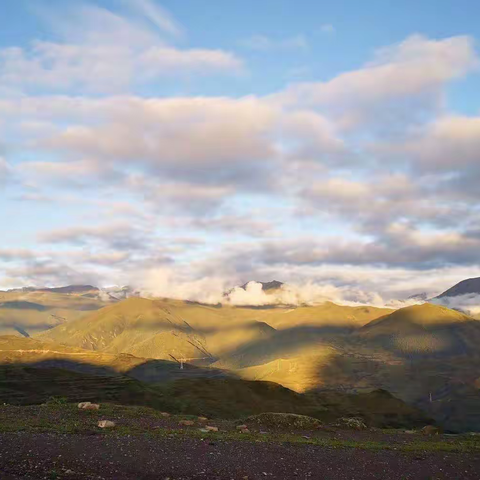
<point>355,423</point>
<point>106,424</point>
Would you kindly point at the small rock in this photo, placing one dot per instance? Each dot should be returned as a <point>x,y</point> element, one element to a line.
<point>88,406</point>
<point>186,423</point>
<point>431,430</point>
<point>164,414</point>
<point>202,419</point>
<point>211,429</point>
<point>242,427</point>
<point>204,430</point>
<point>106,424</point>
<point>245,430</point>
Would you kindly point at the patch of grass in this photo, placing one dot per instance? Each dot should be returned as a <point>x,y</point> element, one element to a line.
<point>461,446</point>
<point>284,420</point>
<point>137,421</point>
<point>55,401</point>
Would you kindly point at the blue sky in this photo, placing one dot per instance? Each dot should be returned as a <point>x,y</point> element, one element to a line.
<point>208,143</point>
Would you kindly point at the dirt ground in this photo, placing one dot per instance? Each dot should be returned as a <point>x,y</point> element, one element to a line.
<point>54,456</point>
<point>59,441</point>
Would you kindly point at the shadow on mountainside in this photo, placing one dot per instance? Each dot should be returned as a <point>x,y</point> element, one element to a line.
<point>284,344</point>
<point>446,390</point>
<point>23,305</point>
<point>192,390</point>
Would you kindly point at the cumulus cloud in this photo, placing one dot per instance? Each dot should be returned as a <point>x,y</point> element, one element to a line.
<point>188,151</point>
<point>170,283</point>
<point>375,202</point>
<point>411,72</point>
<point>117,236</point>
<point>296,185</point>
<point>303,294</point>
<point>47,273</point>
<point>449,143</point>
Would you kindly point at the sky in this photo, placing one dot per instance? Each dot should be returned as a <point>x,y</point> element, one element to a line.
<point>186,146</point>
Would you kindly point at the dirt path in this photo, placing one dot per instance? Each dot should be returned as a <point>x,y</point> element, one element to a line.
<point>54,456</point>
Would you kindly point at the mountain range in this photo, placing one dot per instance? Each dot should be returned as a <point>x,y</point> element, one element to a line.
<point>426,355</point>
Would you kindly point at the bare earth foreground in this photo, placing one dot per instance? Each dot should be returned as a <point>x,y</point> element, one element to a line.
<point>39,456</point>
<point>58,441</point>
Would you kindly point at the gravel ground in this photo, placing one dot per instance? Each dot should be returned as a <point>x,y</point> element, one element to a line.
<point>75,456</point>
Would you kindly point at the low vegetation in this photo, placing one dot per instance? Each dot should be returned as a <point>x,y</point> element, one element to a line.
<point>56,416</point>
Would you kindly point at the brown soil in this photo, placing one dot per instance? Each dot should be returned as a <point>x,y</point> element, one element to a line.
<point>75,457</point>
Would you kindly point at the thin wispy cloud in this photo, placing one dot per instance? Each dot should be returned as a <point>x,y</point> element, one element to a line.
<point>263,43</point>
<point>105,51</point>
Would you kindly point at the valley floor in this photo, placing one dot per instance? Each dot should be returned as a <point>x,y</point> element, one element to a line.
<point>59,441</point>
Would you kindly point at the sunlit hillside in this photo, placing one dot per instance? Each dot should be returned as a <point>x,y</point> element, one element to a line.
<point>201,333</point>
<point>28,312</point>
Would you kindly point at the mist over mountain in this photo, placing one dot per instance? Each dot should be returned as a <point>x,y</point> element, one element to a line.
<point>464,296</point>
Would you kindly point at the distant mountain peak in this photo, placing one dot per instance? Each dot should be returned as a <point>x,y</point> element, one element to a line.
<point>465,287</point>
<point>65,289</point>
<point>273,285</point>
<point>70,289</point>
<point>423,296</point>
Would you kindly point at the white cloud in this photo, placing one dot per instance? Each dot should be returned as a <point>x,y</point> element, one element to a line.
<point>417,67</point>
<point>5,171</point>
<point>216,143</point>
<point>157,15</point>
<point>262,43</point>
<point>269,187</point>
<point>470,303</point>
<point>167,282</point>
<point>104,51</point>
<point>449,143</point>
